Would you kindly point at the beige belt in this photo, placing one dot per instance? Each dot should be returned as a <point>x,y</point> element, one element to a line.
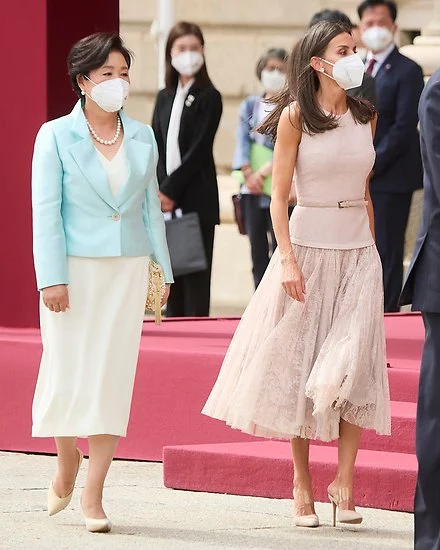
<point>339,204</point>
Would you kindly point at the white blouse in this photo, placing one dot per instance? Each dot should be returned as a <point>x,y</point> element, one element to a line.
<point>173,158</point>
<point>116,169</point>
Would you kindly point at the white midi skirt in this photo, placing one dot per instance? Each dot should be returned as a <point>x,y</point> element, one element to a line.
<point>85,382</point>
<point>296,370</point>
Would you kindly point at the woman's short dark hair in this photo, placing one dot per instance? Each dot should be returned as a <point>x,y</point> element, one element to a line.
<point>303,84</point>
<point>91,53</point>
<point>272,53</point>
<point>333,16</point>
<point>390,4</point>
<point>183,28</point>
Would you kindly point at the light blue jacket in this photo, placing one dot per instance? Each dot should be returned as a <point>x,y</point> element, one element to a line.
<point>74,210</point>
<point>246,135</point>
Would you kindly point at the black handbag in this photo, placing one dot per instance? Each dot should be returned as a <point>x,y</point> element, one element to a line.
<point>185,244</point>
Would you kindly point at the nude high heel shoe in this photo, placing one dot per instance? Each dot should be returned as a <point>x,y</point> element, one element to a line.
<point>55,503</point>
<point>94,525</point>
<point>337,498</point>
<point>301,500</point>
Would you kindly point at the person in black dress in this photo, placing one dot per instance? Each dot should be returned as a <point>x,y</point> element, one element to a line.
<point>185,121</point>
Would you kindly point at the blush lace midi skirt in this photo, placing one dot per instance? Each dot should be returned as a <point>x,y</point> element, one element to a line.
<point>295,370</point>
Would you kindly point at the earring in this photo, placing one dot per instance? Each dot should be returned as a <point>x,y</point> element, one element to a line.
<point>321,69</point>
<point>83,92</point>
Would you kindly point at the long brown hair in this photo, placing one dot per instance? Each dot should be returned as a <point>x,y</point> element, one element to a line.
<point>303,83</point>
<point>183,28</point>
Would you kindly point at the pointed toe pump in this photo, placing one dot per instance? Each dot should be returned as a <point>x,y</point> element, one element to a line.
<point>338,497</point>
<point>98,525</point>
<point>302,500</point>
<point>55,503</point>
<point>94,525</point>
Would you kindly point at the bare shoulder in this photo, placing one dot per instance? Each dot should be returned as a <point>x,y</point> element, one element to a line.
<point>290,122</point>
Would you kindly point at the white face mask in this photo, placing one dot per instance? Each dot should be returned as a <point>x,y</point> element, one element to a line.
<point>348,72</point>
<point>188,63</point>
<point>273,81</point>
<point>110,95</point>
<point>377,39</point>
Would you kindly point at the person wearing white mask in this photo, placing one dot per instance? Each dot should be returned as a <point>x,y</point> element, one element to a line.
<point>367,89</point>
<point>96,222</point>
<point>398,168</point>
<point>185,121</point>
<point>255,196</point>
<point>307,360</point>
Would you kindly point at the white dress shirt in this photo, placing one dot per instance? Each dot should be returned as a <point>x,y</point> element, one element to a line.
<point>173,158</point>
<point>380,58</point>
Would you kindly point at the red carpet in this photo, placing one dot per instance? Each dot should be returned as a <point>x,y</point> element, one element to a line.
<point>178,365</point>
<point>383,480</point>
<point>386,466</point>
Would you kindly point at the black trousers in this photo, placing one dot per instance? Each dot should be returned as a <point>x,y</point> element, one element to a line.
<point>260,232</point>
<point>391,212</point>
<point>191,294</point>
<point>427,498</point>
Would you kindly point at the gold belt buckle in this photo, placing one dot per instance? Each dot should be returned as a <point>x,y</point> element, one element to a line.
<point>343,204</point>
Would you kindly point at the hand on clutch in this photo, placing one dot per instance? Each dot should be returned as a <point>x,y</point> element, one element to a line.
<point>166,295</point>
<point>56,298</point>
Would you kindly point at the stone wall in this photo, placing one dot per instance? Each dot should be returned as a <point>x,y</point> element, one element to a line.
<point>237,33</point>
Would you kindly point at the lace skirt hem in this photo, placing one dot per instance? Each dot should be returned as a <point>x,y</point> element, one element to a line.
<point>296,370</point>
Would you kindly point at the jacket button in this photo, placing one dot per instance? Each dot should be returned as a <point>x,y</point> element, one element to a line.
<point>116,217</point>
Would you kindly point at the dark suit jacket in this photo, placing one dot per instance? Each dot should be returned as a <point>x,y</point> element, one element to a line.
<point>422,287</point>
<point>398,166</point>
<point>193,186</point>
<point>367,90</point>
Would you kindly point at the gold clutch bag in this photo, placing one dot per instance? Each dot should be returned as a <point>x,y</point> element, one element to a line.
<point>156,290</point>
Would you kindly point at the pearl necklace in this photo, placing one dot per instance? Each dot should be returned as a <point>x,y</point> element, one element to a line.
<point>105,141</point>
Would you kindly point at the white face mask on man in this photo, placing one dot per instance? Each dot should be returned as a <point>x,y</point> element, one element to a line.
<point>272,81</point>
<point>348,72</point>
<point>188,63</point>
<point>110,95</point>
<point>377,39</point>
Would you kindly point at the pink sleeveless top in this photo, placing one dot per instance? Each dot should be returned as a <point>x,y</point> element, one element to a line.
<point>333,167</point>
